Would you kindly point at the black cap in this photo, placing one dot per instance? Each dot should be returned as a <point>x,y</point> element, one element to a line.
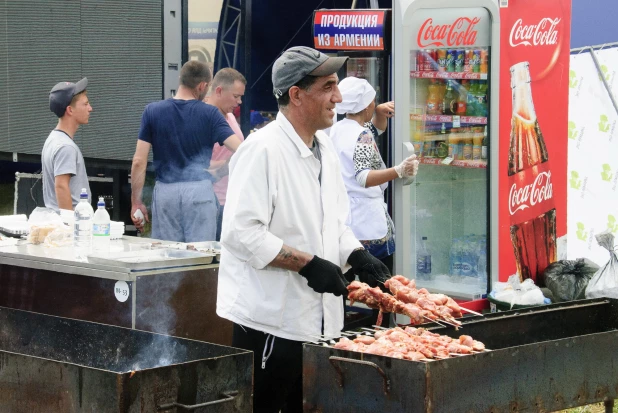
<point>299,61</point>
<point>61,95</point>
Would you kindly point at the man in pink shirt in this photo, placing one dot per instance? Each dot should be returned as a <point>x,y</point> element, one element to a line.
<point>226,92</point>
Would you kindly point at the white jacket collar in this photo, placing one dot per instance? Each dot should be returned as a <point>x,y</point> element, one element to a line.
<point>289,130</point>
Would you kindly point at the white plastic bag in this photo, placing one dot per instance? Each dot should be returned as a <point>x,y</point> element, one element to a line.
<point>604,282</point>
<point>42,222</point>
<point>515,292</point>
<point>59,237</point>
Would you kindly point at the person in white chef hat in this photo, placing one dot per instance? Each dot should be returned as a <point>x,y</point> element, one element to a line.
<point>364,173</point>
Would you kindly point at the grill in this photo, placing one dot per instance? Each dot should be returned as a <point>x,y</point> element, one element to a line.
<point>542,359</point>
<point>52,364</point>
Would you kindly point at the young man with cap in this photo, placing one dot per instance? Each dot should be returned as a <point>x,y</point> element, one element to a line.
<point>63,168</point>
<point>181,131</point>
<point>285,244</point>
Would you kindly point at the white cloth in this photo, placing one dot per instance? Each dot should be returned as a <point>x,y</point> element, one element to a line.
<point>368,213</point>
<point>274,198</point>
<point>356,95</point>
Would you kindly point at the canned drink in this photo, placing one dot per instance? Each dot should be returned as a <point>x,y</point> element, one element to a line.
<point>450,60</point>
<point>468,58</point>
<point>459,60</point>
<point>475,62</point>
<point>420,61</point>
<point>484,56</point>
<point>441,54</point>
<point>428,59</point>
<point>433,55</point>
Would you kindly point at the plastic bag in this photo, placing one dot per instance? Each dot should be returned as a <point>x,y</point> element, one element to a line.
<point>567,280</point>
<point>59,237</point>
<point>605,282</point>
<point>41,223</point>
<point>520,293</point>
<point>44,216</point>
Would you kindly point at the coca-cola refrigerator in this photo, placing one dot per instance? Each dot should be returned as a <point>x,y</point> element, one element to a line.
<point>485,87</point>
<point>532,158</point>
<point>446,77</point>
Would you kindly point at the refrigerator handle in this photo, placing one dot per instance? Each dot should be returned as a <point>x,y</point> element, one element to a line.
<point>408,150</point>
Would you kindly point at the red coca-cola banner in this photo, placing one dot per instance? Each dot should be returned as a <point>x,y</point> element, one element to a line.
<point>532,159</point>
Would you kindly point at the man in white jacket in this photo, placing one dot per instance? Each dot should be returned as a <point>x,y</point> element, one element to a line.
<point>285,244</point>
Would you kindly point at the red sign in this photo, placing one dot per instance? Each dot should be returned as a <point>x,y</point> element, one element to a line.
<point>349,29</point>
<point>534,68</point>
<point>459,33</point>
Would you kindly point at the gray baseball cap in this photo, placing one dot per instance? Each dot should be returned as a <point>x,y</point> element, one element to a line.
<point>299,61</point>
<point>61,95</point>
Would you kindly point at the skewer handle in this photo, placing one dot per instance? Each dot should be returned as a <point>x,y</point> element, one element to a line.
<point>470,311</point>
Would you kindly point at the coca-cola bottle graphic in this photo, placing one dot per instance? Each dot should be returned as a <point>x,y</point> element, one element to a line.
<point>531,202</point>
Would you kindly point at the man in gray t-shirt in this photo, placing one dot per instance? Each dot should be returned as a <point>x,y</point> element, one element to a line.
<point>64,171</point>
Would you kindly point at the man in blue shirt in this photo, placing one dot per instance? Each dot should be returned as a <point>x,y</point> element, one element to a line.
<point>181,131</point>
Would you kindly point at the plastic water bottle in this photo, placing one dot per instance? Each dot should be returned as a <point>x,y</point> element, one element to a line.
<point>482,262</point>
<point>101,227</point>
<point>423,260</point>
<point>82,227</point>
<point>456,251</point>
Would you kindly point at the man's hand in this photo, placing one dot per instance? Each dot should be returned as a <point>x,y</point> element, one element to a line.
<point>139,221</point>
<point>324,277</point>
<point>369,269</point>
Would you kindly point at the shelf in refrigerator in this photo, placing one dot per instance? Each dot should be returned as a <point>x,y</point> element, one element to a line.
<point>458,163</point>
<point>472,120</point>
<point>447,75</point>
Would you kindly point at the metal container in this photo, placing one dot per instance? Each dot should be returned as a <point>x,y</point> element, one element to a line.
<point>51,364</point>
<point>542,359</point>
<point>144,259</point>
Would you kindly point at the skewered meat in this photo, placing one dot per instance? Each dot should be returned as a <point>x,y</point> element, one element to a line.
<point>418,305</point>
<point>411,344</point>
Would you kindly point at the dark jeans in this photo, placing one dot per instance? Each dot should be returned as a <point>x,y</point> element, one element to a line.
<point>279,386</point>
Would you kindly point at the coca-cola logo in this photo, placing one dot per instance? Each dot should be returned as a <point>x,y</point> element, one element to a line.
<point>536,32</point>
<point>540,34</point>
<point>532,194</point>
<point>460,33</point>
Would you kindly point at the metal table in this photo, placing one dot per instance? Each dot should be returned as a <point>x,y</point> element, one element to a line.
<point>176,299</point>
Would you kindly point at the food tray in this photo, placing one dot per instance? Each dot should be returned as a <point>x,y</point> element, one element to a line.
<point>14,229</point>
<point>212,247</point>
<point>153,259</point>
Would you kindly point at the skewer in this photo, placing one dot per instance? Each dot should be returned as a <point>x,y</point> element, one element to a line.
<point>470,311</point>
<point>380,327</point>
<point>369,330</point>
<point>434,321</point>
<point>426,359</point>
<point>457,327</point>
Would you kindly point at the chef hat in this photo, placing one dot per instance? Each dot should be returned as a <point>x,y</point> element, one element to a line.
<point>357,94</point>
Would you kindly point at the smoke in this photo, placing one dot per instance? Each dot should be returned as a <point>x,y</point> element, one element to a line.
<point>159,316</point>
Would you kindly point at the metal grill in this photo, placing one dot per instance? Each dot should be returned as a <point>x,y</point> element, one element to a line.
<point>542,359</point>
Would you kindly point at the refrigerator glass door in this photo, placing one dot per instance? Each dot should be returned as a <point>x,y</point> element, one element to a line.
<point>449,111</point>
<point>370,69</point>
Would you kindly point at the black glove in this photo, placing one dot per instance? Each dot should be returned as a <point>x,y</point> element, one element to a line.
<point>369,269</point>
<point>324,277</point>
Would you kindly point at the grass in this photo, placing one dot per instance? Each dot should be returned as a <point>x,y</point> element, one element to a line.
<point>591,408</point>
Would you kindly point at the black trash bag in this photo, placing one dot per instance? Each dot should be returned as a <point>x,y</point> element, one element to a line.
<point>567,280</point>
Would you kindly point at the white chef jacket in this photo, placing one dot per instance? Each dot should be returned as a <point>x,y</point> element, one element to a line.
<point>274,198</point>
<point>368,211</point>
